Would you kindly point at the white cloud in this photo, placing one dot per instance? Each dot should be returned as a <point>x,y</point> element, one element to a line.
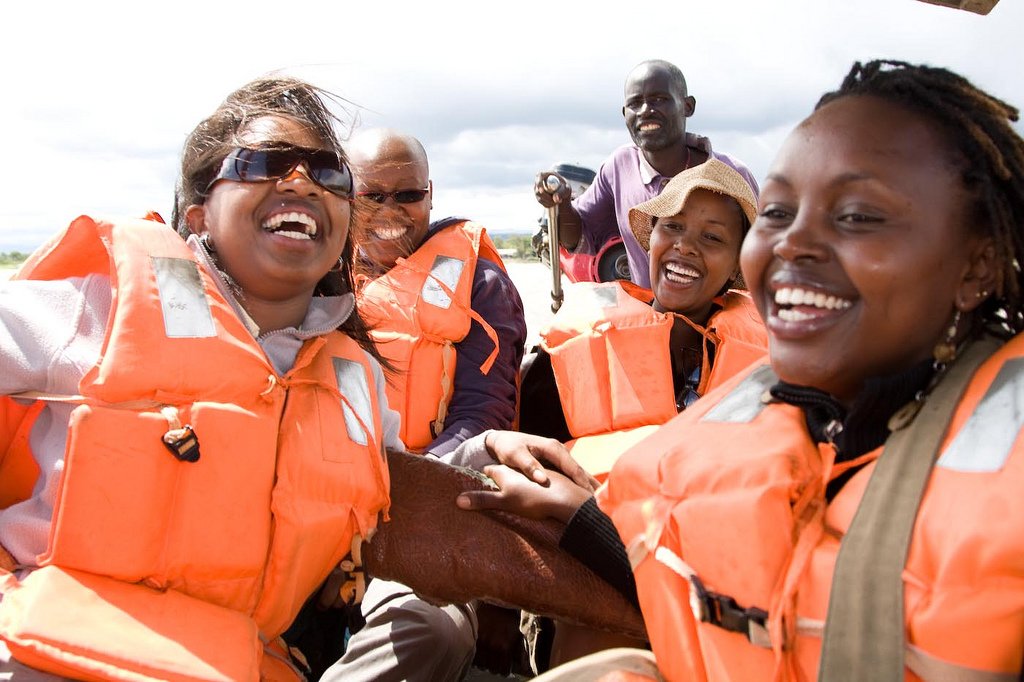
<point>99,96</point>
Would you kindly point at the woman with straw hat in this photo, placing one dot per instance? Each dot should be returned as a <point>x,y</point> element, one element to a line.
<point>626,359</point>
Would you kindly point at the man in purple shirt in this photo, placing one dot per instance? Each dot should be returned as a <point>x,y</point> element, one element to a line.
<point>656,108</point>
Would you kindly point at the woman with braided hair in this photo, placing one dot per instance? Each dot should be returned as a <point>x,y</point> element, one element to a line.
<point>874,527</point>
<point>852,510</point>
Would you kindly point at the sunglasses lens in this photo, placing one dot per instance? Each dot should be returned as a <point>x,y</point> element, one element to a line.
<point>410,196</point>
<point>246,165</point>
<point>329,171</point>
<point>402,196</point>
<point>277,163</point>
<point>258,165</point>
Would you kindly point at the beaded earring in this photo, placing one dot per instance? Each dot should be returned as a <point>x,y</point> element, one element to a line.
<point>945,351</point>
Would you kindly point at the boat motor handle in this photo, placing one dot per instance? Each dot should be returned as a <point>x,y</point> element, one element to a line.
<point>554,183</point>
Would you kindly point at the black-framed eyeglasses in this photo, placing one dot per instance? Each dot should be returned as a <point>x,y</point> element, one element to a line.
<point>402,196</point>
<point>272,163</point>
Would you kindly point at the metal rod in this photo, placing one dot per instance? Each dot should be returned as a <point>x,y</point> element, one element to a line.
<point>554,184</point>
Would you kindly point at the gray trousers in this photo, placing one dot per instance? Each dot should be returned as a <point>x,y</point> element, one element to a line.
<point>406,638</point>
<point>639,662</point>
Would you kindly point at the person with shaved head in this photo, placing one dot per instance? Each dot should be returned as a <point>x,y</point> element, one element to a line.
<point>444,311</point>
<point>449,320</point>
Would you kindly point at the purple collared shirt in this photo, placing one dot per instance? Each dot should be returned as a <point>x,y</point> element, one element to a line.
<point>624,180</point>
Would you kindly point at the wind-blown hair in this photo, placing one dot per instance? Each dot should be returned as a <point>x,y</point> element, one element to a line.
<point>216,135</point>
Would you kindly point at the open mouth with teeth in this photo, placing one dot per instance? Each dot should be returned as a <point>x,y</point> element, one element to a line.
<point>293,225</point>
<point>649,126</point>
<point>388,232</point>
<point>796,304</point>
<point>681,274</point>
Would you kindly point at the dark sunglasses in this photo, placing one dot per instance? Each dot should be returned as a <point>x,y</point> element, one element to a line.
<point>402,196</point>
<point>272,163</point>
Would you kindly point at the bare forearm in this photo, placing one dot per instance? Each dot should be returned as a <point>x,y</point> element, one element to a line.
<point>570,226</point>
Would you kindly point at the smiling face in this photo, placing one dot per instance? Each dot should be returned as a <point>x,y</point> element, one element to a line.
<point>695,253</point>
<point>275,238</point>
<point>656,107</point>
<point>387,163</point>
<point>861,249</point>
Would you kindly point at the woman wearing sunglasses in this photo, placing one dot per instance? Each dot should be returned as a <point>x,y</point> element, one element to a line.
<point>199,436</point>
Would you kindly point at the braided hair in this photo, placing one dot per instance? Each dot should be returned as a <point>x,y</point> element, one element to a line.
<point>991,156</point>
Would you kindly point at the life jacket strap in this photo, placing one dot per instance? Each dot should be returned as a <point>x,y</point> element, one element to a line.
<point>866,633</point>
<point>722,611</point>
<point>354,587</point>
<point>485,366</point>
<point>717,609</point>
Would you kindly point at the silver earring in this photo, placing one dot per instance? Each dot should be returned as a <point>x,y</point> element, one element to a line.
<point>207,243</point>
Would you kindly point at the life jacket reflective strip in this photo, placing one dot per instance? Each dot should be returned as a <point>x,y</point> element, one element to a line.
<point>740,501</point>
<point>418,311</point>
<point>611,360</point>
<point>198,562</point>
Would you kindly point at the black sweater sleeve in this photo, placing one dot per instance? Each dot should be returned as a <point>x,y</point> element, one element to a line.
<point>591,538</point>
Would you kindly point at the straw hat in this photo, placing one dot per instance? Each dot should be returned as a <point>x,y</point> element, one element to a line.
<point>713,175</point>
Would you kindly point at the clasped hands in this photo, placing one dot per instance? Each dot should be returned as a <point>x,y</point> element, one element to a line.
<point>525,486</point>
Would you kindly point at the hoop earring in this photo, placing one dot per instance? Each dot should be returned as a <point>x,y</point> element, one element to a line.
<point>945,351</point>
<point>208,244</point>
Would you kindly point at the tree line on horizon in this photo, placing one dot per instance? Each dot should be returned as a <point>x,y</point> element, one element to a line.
<point>521,243</point>
<point>12,257</point>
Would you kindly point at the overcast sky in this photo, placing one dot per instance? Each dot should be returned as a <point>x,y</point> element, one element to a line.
<point>99,96</point>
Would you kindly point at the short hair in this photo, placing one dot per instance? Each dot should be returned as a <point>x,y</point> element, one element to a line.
<point>675,73</point>
<point>978,128</point>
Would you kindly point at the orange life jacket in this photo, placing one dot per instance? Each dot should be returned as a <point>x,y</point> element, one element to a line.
<point>612,364</point>
<point>161,567</point>
<point>18,469</point>
<point>418,311</point>
<point>724,515</point>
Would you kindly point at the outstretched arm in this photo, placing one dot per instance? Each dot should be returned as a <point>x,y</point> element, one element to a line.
<point>589,536</point>
<point>51,333</point>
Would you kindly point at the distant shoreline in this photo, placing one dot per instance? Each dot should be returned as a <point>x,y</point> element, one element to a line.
<point>531,278</point>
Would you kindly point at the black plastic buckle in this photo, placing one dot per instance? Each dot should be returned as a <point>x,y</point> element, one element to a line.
<point>182,443</point>
<point>723,611</point>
